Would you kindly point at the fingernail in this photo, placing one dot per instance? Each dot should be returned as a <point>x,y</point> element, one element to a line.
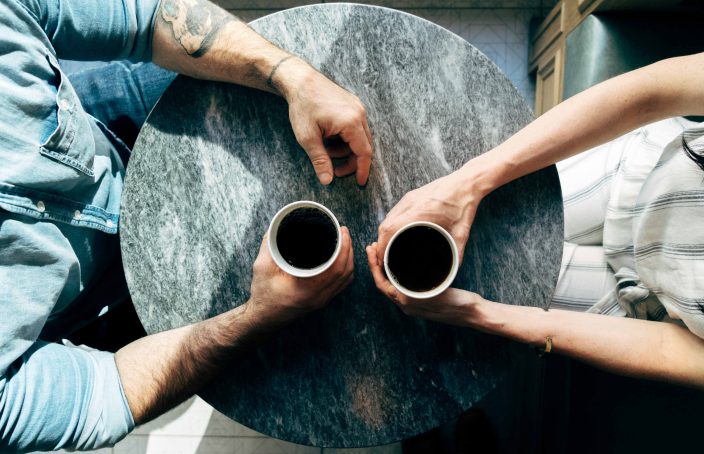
<point>325,178</point>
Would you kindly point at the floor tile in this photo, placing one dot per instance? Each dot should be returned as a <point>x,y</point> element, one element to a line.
<point>195,418</point>
<point>386,449</point>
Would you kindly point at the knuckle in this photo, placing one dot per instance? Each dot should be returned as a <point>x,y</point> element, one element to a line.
<point>339,270</point>
<point>307,140</point>
<point>409,197</point>
<point>258,267</point>
<point>463,236</point>
<point>360,114</point>
<point>319,161</point>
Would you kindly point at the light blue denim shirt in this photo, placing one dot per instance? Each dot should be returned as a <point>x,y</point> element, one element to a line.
<point>60,186</point>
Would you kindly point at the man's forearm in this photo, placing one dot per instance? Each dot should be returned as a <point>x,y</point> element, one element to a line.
<point>159,371</point>
<point>638,348</point>
<point>200,39</point>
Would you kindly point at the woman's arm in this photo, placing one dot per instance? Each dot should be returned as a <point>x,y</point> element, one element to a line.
<point>638,348</point>
<point>668,88</point>
<point>625,346</point>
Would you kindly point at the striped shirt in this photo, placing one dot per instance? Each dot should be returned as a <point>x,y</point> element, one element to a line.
<point>634,212</point>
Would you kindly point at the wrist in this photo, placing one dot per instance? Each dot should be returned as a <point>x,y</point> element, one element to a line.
<point>523,324</point>
<point>480,176</point>
<point>289,75</point>
<point>266,316</point>
<point>481,316</point>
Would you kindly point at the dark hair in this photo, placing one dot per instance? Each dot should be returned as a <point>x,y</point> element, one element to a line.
<point>695,156</point>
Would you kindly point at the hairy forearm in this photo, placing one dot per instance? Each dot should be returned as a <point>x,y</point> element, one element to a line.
<point>638,348</point>
<point>200,39</point>
<point>162,370</point>
<point>593,117</point>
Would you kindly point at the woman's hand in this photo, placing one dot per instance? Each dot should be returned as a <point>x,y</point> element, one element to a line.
<point>453,306</point>
<point>450,201</point>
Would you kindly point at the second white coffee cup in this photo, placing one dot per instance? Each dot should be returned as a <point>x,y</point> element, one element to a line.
<point>430,243</point>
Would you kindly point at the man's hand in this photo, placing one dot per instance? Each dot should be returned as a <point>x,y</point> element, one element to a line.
<point>161,370</point>
<point>200,39</point>
<point>328,121</point>
<point>453,306</point>
<point>448,201</point>
<point>278,297</point>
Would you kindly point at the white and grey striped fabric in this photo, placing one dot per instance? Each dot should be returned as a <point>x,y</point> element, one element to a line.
<point>634,227</point>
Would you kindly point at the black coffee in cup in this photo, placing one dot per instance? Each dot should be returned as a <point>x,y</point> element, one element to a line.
<point>306,238</point>
<point>420,258</point>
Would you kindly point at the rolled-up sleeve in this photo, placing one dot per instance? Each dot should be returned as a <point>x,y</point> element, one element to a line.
<point>97,30</point>
<point>61,397</point>
<point>52,396</point>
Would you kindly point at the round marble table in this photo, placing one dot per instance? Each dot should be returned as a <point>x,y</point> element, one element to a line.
<point>214,163</point>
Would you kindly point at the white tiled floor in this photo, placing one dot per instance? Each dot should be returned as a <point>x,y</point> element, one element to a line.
<point>194,427</point>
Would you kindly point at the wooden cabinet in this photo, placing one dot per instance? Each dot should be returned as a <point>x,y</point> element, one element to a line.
<point>547,55</point>
<point>547,49</point>
<point>548,85</point>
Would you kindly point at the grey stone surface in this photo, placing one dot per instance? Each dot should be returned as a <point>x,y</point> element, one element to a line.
<point>215,162</point>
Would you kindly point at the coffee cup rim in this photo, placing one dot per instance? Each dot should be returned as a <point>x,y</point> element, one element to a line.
<point>274,250</point>
<point>448,280</point>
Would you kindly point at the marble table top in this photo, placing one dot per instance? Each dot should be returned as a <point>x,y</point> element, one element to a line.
<point>216,161</point>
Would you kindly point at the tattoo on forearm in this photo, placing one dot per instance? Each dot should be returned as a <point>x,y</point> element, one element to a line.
<point>195,23</point>
<point>270,79</point>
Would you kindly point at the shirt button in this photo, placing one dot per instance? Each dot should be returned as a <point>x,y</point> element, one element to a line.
<point>41,207</point>
<point>77,215</point>
<point>65,105</point>
<point>109,223</point>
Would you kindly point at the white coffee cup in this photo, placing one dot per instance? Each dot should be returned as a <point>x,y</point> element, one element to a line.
<point>274,248</point>
<point>445,284</point>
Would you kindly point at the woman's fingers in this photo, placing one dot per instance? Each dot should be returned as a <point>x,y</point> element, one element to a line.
<point>382,283</point>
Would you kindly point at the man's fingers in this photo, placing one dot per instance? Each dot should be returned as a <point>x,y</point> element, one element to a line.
<point>264,246</point>
<point>319,158</point>
<point>365,124</point>
<point>349,269</point>
<point>347,168</point>
<point>364,164</point>
<point>336,147</point>
<point>361,146</point>
<point>265,239</point>
<point>350,253</point>
<point>368,164</point>
<point>346,252</point>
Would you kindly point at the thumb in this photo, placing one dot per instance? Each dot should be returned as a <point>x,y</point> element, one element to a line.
<point>320,159</point>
